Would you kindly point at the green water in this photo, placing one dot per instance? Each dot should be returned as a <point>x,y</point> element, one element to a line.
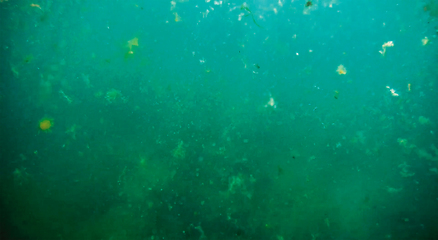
<point>218,120</point>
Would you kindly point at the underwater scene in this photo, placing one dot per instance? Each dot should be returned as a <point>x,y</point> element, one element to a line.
<point>218,119</point>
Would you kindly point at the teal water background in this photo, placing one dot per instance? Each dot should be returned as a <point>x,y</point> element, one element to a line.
<point>218,120</point>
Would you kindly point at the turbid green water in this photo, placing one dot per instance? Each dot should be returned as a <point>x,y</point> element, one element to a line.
<point>218,120</point>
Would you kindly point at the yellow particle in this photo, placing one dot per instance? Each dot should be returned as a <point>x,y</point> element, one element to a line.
<point>36,6</point>
<point>177,17</point>
<point>425,41</point>
<point>45,124</point>
<point>341,70</point>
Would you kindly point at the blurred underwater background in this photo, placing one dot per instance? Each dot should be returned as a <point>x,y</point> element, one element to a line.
<point>279,120</point>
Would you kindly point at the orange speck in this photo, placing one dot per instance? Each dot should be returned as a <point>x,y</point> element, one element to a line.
<point>46,124</point>
<point>409,87</point>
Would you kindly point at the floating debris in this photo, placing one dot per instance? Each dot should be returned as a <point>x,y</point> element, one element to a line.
<point>423,120</point>
<point>246,8</point>
<point>393,190</point>
<point>341,70</point>
<point>392,91</point>
<point>309,4</point>
<point>177,17</point>
<point>34,5</point>
<point>179,152</point>
<point>45,124</point>
<point>132,42</point>
<point>63,95</point>
<point>405,170</point>
<point>72,131</point>
<point>114,95</point>
<point>386,45</point>
<point>425,41</point>
<point>271,102</point>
